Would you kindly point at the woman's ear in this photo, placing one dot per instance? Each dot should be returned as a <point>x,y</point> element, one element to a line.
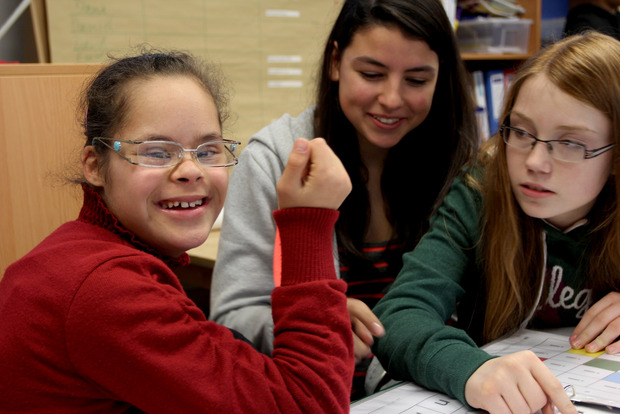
<point>90,167</point>
<point>334,70</point>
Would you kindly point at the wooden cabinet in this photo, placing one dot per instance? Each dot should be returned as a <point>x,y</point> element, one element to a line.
<point>40,145</point>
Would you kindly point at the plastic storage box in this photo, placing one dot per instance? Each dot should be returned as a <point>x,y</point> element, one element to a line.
<point>494,35</point>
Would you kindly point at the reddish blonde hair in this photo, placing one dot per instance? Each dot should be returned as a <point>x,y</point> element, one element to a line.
<point>586,67</point>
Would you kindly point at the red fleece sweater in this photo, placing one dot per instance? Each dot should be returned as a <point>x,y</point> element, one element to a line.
<point>91,320</point>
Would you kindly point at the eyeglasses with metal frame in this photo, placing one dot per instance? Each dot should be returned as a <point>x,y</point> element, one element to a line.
<point>559,149</point>
<point>158,154</point>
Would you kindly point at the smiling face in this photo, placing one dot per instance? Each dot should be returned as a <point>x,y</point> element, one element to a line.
<point>560,192</point>
<point>171,208</point>
<point>386,84</point>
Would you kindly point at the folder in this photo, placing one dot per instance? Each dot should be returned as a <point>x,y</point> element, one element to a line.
<point>494,84</point>
<point>482,115</point>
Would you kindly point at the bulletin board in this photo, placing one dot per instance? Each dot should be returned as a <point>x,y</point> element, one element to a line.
<point>269,49</point>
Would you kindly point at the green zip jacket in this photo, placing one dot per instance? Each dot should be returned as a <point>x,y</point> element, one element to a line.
<point>441,280</point>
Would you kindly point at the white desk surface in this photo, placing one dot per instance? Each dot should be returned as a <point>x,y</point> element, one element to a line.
<point>206,253</point>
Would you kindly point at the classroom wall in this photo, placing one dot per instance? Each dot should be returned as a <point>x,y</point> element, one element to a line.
<point>269,49</point>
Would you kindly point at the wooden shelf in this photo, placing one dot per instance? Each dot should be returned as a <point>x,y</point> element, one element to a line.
<point>533,11</point>
<point>494,56</point>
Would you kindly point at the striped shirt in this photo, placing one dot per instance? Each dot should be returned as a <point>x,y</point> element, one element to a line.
<point>369,282</point>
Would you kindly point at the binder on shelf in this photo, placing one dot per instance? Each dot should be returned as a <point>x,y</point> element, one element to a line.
<point>494,85</point>
<point>509,77</point>
<point>482,115</point>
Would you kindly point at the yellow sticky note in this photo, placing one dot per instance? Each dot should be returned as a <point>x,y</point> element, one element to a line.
<point>588,354</point>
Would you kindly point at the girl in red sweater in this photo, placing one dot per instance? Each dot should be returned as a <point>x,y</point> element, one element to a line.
<point>93,319</point>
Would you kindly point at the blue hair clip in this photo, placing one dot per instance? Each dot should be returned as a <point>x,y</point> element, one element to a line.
<point>233,147</point>
<point>117,146</point>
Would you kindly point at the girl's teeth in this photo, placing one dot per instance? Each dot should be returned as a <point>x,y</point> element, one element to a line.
<point>183,204</point>
<point>388,121</point>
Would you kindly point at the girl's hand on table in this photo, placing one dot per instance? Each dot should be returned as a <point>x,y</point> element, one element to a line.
<point>517,383</point>
<point>600,326</point>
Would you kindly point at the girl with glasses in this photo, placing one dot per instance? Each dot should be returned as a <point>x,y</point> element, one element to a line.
<point>94,319</point>
<point>393,102</point>
<point>531,238</point>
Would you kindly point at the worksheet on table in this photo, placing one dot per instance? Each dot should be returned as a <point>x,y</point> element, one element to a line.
<point>594,378</point>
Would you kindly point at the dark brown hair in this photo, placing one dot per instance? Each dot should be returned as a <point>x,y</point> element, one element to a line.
<point>105,100</point>
<point>420,168</point>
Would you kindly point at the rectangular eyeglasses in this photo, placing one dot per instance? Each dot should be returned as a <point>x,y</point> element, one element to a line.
<point>220,153</point>
<point>559,149</point>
